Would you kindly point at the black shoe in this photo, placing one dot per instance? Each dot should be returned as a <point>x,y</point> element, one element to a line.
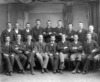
<point>10,73</point>
<point>32,71</point>
<point>84,72</point>
<point>54,72</point>
<point>78,71</point>
<point>74,71</point>
<point>23,72</point>
<point>42,70</point>
<point>46,70</point>
<point>61,71</point>
<point>58,71</point>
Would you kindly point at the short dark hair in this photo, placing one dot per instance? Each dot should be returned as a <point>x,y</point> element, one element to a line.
<point>8,23</point>
<point>38,20</point>
<point>60,20</point>
<point>70,23</point>
<point>27,23</point>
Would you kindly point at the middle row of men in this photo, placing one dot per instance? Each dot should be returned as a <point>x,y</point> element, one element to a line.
<point>26,52</point>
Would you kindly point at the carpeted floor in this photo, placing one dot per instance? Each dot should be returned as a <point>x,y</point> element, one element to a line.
<point>50,77</point>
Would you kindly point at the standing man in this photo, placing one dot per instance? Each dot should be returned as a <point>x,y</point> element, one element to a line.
<point>94,35</point>
<point>16,31</point>
<point>30,53</point>
<point>63,48</point>
<point>7,32</point>
<point>90,48</point>
<point>81,32</point>
<point>51,49</point>
<point>7,55</point>
<point>27,32</point>
<point>41,53</point>
<point>76,49</point>
<point>70,33</point>
<point>48,31</point>
<point>37,30</point>
<point>59,31</point>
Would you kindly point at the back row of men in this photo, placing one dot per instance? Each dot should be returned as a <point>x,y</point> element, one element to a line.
<point>47,32</point>
<point>54,44</point>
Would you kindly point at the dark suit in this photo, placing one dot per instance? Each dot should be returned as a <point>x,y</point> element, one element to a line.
<point>88,47</point>
<point>51,48</point>
<point>82,35</point>
<point>59,32</point>
<point>76,49</point>
<point>36,32</point>
<point>70,35</point>
<point>1,67</point>
<point>47,34</point>
<point>15,34</point>
<point>9,60</point>
<point>19,50</point>
<point>4,34</point>
<point>94,36</point>
<point>25,34</point>
<point>30,52</point>
<point>64,52</point>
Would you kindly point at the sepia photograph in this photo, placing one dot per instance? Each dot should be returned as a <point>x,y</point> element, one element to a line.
<point>49,40</point>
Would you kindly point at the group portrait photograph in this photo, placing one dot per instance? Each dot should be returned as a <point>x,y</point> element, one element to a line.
<point>49,40</point>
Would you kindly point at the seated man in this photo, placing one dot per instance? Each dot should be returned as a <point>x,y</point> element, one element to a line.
<point>90,48</point>
<point>53,55</point>
<point>19,48</point>
<point>63,48</point>
<point>8,56</point>
<point>1,67</point>
<point>76,50</point>
<point>30,52</point>
<point>41,53</point>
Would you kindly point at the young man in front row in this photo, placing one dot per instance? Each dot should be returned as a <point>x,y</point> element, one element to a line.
<point>90,48</point>
<point>41,54</point>
<point>51,49</point>
<point>63,48</point>
<point>76,53</point>
<point>30,53</point>
<point>19,49</point>
<point>8,56</point>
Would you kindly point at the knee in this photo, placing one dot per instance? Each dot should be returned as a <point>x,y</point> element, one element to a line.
<point>79,58</point>
<point>72,57</point>
<point>25,58</point>
<point>97,57</point>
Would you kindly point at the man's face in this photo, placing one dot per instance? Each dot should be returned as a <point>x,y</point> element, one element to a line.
<point>28,25</point>
<point>80,25</point>
<point>38,23</point>
<point>70,26</point>
<point>48,23</point>
<point>9,26</point>
<point>29,38</point>
<point>76,37</point>
<point>17,25</point>
<point>89,36</point>
<point>91,28</point>
<point>40,38</point>
<point>18,37</point>
<point>64,37</point>
<point>7,39</point>
<point>53,38</point>
<point>59,23</point>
